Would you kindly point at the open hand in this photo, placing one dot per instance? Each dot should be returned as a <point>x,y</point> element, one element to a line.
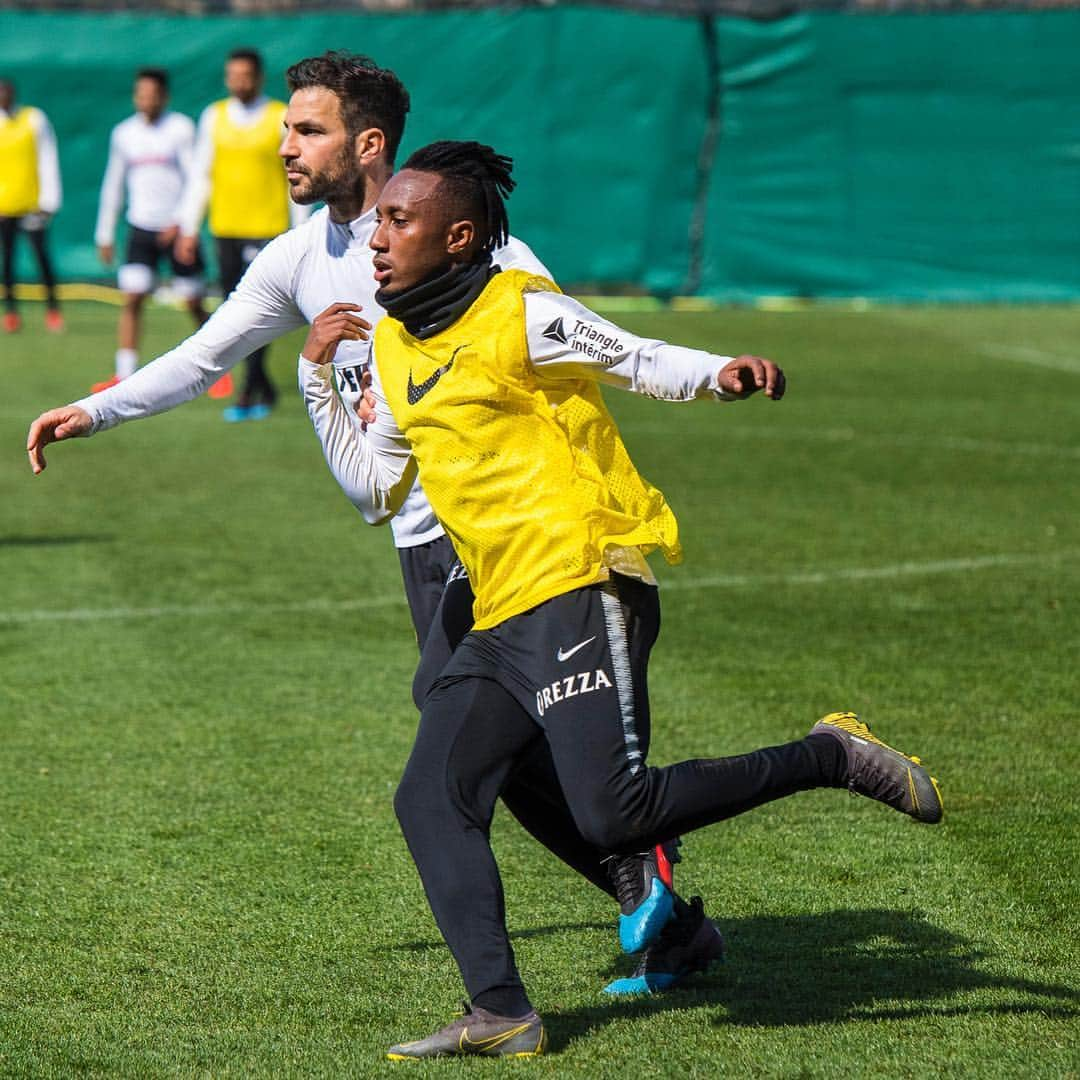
<point>67,422</point>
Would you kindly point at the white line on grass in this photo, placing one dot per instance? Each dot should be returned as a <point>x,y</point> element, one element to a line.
<point>675,584</point>
<point>880,438</point>
<point>947,442</point>
<point>871,573</point>
<point>1024,354</point>
<point>198,611</point>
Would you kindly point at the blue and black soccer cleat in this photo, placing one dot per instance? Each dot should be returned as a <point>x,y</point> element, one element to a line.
<point>644,887</point>
<point>690,942</point>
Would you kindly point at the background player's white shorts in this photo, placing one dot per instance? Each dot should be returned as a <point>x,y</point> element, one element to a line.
<point>138,275</point>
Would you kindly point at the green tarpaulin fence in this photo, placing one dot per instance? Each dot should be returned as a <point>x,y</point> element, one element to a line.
<point>910,156</point>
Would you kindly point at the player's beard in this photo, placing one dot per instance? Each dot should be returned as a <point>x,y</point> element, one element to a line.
<point>339,182</point>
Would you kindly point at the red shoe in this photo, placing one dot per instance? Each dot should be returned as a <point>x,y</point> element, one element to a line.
<point>54,322</point>
<point>99,386</point>
<point>222,388</point>
<point>12,322</point>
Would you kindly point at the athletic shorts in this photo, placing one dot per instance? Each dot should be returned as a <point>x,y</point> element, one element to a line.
<point>34,222</point>
<point>235,254</point>
<point>143,257</point>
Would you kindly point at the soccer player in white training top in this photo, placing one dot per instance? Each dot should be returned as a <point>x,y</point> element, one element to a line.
<point>344,123</point>
<point>150,157</point>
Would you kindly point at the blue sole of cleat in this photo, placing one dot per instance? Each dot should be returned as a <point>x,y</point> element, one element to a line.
<point>237,414</point>
<point>640,930</point>
<point>640,984</point>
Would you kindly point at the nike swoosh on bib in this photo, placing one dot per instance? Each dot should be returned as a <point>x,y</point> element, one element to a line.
<point>415,391</point>
<point>562,655</point>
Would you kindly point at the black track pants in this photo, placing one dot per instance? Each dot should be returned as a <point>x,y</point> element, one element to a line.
<point>9,230</point>
<point>440,602</point>
<point>569,673</point>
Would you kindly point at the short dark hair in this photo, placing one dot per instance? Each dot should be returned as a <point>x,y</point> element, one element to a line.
<point>154,74</point>
<point>477,180</point>
<point>370,96</point>
<point>252,56</point>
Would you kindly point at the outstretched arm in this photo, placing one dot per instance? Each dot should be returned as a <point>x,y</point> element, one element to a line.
<point>568,341</point>
<point>259,310</point>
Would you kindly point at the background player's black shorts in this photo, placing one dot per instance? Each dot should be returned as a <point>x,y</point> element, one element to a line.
<point>145,249</point>
<point>235,254</point>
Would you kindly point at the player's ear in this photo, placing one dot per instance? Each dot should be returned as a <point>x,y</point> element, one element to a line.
<point>369,145</point>
<point>459,237</point>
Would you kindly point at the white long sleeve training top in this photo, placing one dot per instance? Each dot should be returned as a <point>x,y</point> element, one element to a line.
<point>565,340</point>
<point>294,278</point>
<point>153,160</point>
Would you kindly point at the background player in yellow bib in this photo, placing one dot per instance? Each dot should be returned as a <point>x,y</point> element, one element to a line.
<point>237,173</point>
<point>30,194</point>
<point>490,381</point>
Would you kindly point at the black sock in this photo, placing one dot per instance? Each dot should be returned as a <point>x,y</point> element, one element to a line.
<point>831,756</point>
<point>509,1001</point>
<point>682,908</point>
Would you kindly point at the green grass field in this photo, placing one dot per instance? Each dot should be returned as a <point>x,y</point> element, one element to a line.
<point>204,687</point>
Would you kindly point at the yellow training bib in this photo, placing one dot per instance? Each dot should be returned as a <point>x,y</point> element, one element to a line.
<point>249,196</point>
<point>19,190</point>
<point>527,474</point>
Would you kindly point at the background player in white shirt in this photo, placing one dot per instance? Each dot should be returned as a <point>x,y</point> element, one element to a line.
<point>343,127</point>
<point>149,156</point>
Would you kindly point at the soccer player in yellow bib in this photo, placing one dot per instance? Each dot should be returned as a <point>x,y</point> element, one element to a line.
<point>486,382</point>
<point>237,174</point>
<point>30,194</point>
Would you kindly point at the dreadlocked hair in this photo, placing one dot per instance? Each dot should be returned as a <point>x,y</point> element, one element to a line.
<point>477,181</point>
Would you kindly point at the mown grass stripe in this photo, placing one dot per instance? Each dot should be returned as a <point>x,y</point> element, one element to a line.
<point>677,584</point>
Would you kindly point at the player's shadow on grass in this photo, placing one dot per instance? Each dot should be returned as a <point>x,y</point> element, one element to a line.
<point>843,965</point>
<point>55,541</point>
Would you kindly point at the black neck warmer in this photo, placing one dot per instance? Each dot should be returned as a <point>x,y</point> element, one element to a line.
<point>440,300</point>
